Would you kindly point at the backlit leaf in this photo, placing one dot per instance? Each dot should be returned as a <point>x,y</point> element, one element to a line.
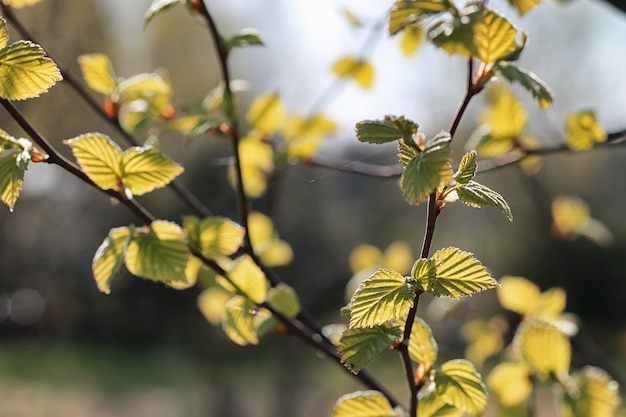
<point>545,348</point>
<point>100,159</point>
<point>364,257</point>
<point>539,90</point>
<point>582,130</point>
<point>433,405</point>
<point>467,168</point>
<point>156,7</point>
<point>518,294</point>
<point>18,4</point>
<point>551,304</point>
<point>363,404</point>
<point>212,304</point>
<point>284,299</point>
<point>398,256</point>
<point>361,71</point>
<point>246,37</point>
<point>474,194</point>
<point>257,162</point>
<point>25,71</point>
<point>249,279</point>
<point>507,116</point>
<point>511,382</point>
<point>4,33</point>
<point>214,236</point>
<point>158,253</point>
<point>304,136</point>
<point>145,169</point>
<point>406,152</point>
<point>595,394</point>
<point>524,6</point>
<point>385,295</point>
<point>266,113</point>
<point>109,257</point>
<point>485,338</point>
<point>427,170</point>
<point>15,154</point>
<point>267,245</point>
<point>570,216</point>
<point>458,383</point>
<point>456,36</point>
<point>238,321</point>
<point>359,346</point>
<point>458,274</point>
<point>404,12</point>
<point>411,39</point>
<point>377,131</point>
<point>422,345</point>
<point>98,73</point>
<point>494,37</point>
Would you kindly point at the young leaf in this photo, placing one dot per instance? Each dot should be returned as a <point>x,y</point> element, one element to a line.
<point>458,274</point>
<point>518,294</point>
<point>363,404</point>
<point>467,169</point>
<point>433,405</point>
<point>458,383</point>
<point>427,170</point>
<point>377,131</point>
<point>214,237</point>
<point>422,345</point>
<point>157,7</point>
<point>383,296</point>
<point>404,13</point>
<point>359,346</point>
<point>494,37</point>
<point>406,152</point>
<point>109,257</point>
<point>474,194</point>
<point>361,71</point>
<point>524,6</point>
<point>15,154</point>
<point>545,348</point>
<point>238,323</point>
<point>246,37</point>
<point>511,382</point>
<point>257,162</point>
<point>507,116</point>
<point>582,130</point>
<point>456,36</point>
<point>98,73</point>
<point>212,304</point>
<point>100,159</point>
<point>264,238</point>
<point>284,298</point>
<point>539,90</point>
<point>411,39</point>
<point>266,113</point>
<point>158,253</point>
<point>249,279</point>
<point>145,169</point>
<point>18,4</point>
<point>594,395</point>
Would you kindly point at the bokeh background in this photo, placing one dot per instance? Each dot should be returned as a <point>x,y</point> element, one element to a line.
<point>145,350</point>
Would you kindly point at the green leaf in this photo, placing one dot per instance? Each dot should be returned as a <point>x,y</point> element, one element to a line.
<point>406,152</point>
<point>494,37</point>
<point>458,383</point>
<point>158,252</point>
<point>109,257</point>
<point>377,131</point>
<point>246,37</point>
<point>467,169</point>
<point>458,274</point>
<point>249,279</point>
<point>98,73</point>
<point>363,404</point>
<point>157,7</point>
<point>214,237</point>
<point>25,70</point>
<point>284,299</point>
<point>423,174</point>
<point>361,345</point>
<point>404,12</point>
<point>238,321</point>
<point>583,130</point>
<point>476,195</point>
<point>15,154</point>
<point>433,405</point>
<point>545,348</point>
<point>385,295</point>
<point>99,157</point>
<point>456,36</point>
<point>595,394</point>
<point>422,345</point>
<point>539,90</point>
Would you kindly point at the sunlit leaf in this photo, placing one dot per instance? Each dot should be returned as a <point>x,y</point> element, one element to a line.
<point>157,7</point>
<point>377,131</point>
<point>304,136</point>
<point>494,37</point>
<point>458,274</point>
<point>456,36</point>
<point>485,338</point>
<point>539,90</point>
<point>145,169</point>
<point>364,257</point>
<point>404,12</point>
<point>385,295</point>
<point>582,130</point>
<point>474,194</point>
<point>551,304</point>
<point>407,152</point>
<point>272,250</point>
<point>249,279</point>
<point>18,4</point>
<point>284,298</point>
<point>212,304</point>
<point>214,236</point>
<point>363,404</point>
<point>427,170</point>
<point>422,345</point>
<point>158,253</point>
<point>257,162</point>
<point>15,154</point>
<point>266,113</point>
<point>100,159</point>
<point>359,70</point>
<point>595,394</point>
<point>351,17</point>
<point>25,71</point>
<point>467,168</point>
<point>458,383</point>
<point>511,382</point>
<point>545,348</point>
<point>507,116</point>
<point>518,294</point>
<point>398,256</point>
<point>192,273</point>
<point>4,33</point>
<point>524,6</point>
<point>411,39</point>
<point>109,257</point>
<point>98,73</point>
<point>238,323</point>
<point>245,37</point>
<point>360,346</point>
<point>433,405</point>
<point>570,216</point>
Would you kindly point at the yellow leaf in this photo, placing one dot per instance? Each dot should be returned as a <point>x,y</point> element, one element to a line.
<point>214,236</point>
<point>398,256</point>
<point>109,257</point>
<point>192,271</point>
<point>458,383</point>
<point>276,253</point>
<point>305,135</point>
<point>238,321</point>
<point>582,130</point>
<point>524,6</point>
<point>518,294</point>
<point>266,113</point>
<point>363,404</point>
<point>494,37</point>
<point>100,159</point>
<point>364,257</point>
<point>145,169</point>
<point>485,338</point>
<point>361,71</point>
<point>595,394</point>
<point>570,216</point>
<point>545,348</point>
<point>4,34</point>
<point>507,116</point>
<point>271,250</point>
<point>551,304</point>
<point>411,39</point>
<point>257,162</point>
<point>98,73</point>
<point>511,382</point>
<point>212,303</point>
<point>249,279</point>
<point>18,4</point>
<point>15,155</point>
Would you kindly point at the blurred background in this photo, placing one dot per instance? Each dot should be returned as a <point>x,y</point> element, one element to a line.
<point>145,350</point>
